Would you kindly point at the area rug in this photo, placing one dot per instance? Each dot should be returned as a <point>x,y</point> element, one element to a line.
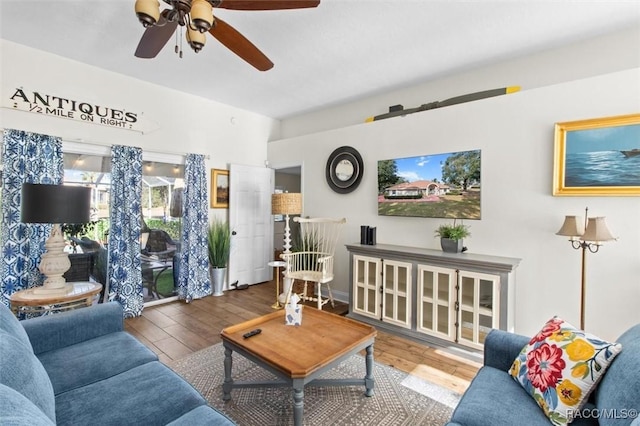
<point>392,404</point>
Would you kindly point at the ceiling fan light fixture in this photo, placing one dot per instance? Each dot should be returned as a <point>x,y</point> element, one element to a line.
<point>148,12</point>
<point>201,15</point>
<point>196,39</point>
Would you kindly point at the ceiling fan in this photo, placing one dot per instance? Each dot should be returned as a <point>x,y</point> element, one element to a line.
<point>197,17</point>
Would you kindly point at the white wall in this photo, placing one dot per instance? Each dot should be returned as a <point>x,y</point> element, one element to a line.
<point>182,123</point>
<point>519,214</point>
<point>609,53</point>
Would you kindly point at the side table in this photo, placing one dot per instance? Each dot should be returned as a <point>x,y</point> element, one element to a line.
<point>277,264</point>
<point>80,295</point>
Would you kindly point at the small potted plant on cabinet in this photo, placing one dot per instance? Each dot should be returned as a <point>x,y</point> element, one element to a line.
<point>219,244</point>
<point>451,237</point>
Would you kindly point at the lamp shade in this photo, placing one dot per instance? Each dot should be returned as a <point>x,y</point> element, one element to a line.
<point>571,227</point>
<point>55,203</point>
<point>597,231</point>
<point>286,203</point>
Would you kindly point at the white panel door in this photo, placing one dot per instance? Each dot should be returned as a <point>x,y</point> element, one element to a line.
<point>251,224</point>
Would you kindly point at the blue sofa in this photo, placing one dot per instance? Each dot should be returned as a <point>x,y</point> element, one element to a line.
<point>81,367</point>
<point>495,399</point>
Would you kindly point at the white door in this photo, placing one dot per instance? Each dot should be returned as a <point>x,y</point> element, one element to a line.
<point>251,224</point>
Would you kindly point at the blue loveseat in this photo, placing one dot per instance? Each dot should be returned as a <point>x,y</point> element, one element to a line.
<point>81,368</point>
<point>495,399</point>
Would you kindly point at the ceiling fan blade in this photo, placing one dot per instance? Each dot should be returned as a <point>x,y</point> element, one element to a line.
<point>239,45</point>
<point>154,39</point>
<point>267,4</point>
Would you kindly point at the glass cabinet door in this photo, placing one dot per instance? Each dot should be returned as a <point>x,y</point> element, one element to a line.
<point>366,286</point>
<point>436,300</point>
<point>396,293</point>
<point>478,298</point>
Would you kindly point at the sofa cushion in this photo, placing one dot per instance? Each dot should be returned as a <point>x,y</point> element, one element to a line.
<point>94,360</point>
<point>148,394</point>
<point>619,390</point>
<point>51,332</point>
<point>10,324</point>
<point>560,366</point>
<point>494,398</point>
<point>16,410</point>
<point>21,370</point>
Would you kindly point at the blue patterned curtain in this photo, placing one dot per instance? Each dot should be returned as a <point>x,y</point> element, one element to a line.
<point>27,158</point>
<point>124,272</point>
<point>193,278</point>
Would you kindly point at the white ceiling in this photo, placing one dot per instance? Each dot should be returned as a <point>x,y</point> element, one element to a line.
<point>340,51</point>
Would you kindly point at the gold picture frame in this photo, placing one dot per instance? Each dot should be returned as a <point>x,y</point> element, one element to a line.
<point>219,189</point>
<point>597,157</point>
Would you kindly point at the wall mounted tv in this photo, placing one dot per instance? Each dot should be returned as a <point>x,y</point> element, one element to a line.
<point>438,185</point>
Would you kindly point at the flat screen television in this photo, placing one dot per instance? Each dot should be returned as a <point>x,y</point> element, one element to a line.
<point>435,185</point>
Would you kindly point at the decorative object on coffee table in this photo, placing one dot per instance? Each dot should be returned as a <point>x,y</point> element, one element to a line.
<point>451,237</point>
<point>55,204</point>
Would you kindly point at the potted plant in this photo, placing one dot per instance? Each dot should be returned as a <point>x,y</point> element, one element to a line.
<point>451,237</point>
<point>219,245</point>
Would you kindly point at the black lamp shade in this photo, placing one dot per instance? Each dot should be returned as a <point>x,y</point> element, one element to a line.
<point>55,203</point>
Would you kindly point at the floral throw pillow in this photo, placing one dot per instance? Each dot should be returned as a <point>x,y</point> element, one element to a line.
<point>560,366</point>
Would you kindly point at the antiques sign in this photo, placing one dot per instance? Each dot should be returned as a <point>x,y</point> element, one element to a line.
<point>58,106</point>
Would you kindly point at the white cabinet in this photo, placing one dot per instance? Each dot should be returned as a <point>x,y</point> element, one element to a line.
<point>431,295</point>
<point>366,286</point>
<point>396,293</point>
<point>382,289</point>
<point>478,294</point>
<point>436,301</point>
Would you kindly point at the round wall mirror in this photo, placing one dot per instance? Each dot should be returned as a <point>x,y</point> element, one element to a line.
<point>344,169</point>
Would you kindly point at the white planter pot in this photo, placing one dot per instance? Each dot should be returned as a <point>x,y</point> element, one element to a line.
<point>217,280</point>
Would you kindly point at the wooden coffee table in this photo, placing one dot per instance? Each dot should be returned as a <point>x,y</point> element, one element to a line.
<point>297,355</point>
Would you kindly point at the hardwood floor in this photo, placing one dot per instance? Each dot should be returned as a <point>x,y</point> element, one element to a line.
<point>177,329</point>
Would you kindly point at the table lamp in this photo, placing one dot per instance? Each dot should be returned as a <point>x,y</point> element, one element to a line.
<point>54,204</point>
<point>286,203</point>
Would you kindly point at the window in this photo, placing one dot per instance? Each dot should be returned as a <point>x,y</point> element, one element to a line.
<point>162,183</point>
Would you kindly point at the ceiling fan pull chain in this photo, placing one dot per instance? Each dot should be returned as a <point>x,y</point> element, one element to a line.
<point>180,42</point>
<point>175,49</point>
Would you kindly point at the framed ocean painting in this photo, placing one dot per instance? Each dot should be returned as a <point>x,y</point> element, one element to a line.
<point>599,156</point>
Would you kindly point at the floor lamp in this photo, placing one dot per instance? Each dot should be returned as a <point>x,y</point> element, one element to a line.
<point>55,204</point>
<point>589,236</point>
<point>286,203</point>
